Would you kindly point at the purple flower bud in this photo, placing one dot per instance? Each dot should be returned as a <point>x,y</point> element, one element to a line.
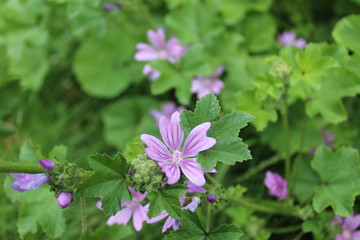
<point>289,38</point>
<point>110,6</point>
<point>211,198</point>
<point>24,182</point>
<point>203,85</point>
<point>132,172</point>
<point>276,184</point>
<point>47,164</point>
<point>64,199</point>
<point>192,188</point>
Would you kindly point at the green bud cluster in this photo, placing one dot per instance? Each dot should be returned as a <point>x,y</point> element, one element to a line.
<point>279,68</point>
<point>145,174</point>
<point>64,177</point>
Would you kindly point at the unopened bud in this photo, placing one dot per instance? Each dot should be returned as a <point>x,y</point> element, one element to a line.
<point>211,198</point>
<point>64,199</point>
<point>47,164</point>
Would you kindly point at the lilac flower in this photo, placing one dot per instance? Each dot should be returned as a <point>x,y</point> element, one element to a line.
<point>64,199</point>
<point>25,182</point>
<point>151,73</point>
<point>160,49</point>
<point>171,222</point>
<point>349,225</point>
<point>276,184</point>
<point>171,163</point>
<point>111,6</point>
<point>167,110</point>
<point>47,164</point>
<point>289,38</point>
<point>192,188</point>
<point>211,198</point>
<point>328,139</point>
<point>203,85</point>
<point>131,208</point>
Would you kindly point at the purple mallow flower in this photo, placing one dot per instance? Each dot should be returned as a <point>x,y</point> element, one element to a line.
<point>131,208</point>
<point>328,139</point>
<point>203,85</point>
<point>171,222</point>
<point>111,6</point>
<point>289,38</point>
<point>64,199</point>
<point>178,159</point>
<point>167,110</point>
<point>192,188</point>
<point>348,225</point>
<point>25,182</point>
<point>160,49</point>
<point>151,73</point>
<point>47,164</point>
<point>211,198</point>
<point>276,184</point>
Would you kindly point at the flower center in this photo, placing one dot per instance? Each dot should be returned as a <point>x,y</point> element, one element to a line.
<point>177,157</point>
<point>162,53</point>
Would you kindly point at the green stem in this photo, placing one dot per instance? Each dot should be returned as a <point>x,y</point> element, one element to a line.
<point>83,215</point>
<point>251,203</point>
<point>285,230</point>
<point>208,219</point>
<point>285,119</point>
<point>9,167</point>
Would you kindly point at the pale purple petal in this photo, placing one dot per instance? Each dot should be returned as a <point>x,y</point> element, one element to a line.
<point>171,131</point>
<point>193,171</point>
<point>276,184</point>
<point>99,205</point>
<point>175,50</point>
<point>137,196</point>
<point>352,222</point>
<point>64,199</point>
<point>192,188</point>
<point>162,215</point>
<point>156,150</point>
<point>157,38</point>
<point>197,140</point>
<point>356,235</point>
<point>218,72</point>
<point>182,200</point>
<point>300,43</point>
<point>121,217</point>
<point>168,109</point>
<point>217,86</point>
<point>140,215</point>
<point>287,38</point>
<point>193,205</point>
<point>176,224</point>
<point>25,182</point>
<point>213,170</point>
<point>47,164</point>
<point>168,224</point>
<point>171,171</point>
<point>145,52</point>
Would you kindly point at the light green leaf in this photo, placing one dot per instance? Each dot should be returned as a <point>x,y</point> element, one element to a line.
<point>108,182</point>
<point>166,199</point>
<point>347,32</point>
<point>340,176</point>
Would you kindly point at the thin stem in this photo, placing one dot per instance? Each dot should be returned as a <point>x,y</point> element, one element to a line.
<point>247,202</point>
<point>284,230</point>
<point>285,119</point>
<point>83,215</point>
<point>208,218</point>
<point>9,167</point>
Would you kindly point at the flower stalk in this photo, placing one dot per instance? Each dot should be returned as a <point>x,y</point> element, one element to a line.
<point>10,167</point>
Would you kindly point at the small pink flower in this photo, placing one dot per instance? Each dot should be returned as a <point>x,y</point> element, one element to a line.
<point>64,199</point>
<point>171,222</point>
<point>151,73</point>
<point>289,38</point>
<point>203,85</point>
<point>277,185</point>
<point>349,225</point>
<point>166,111</point>
<point>176,159</point>
<point>160,49</point>
<point>131,208</point>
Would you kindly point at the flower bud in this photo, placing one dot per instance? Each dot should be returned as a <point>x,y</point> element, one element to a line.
<point>47,164</point>
<point>211,198</point>
<point>64,199</point>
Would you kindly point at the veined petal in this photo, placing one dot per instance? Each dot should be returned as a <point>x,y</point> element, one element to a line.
<point>156,150</point>
<point>145,52</point>
<point>168,224</point>
<point>172,172</point>
<point>171,131</point>
<point>157,38</point>
<point>197,140</point>
<point>140,215</point>
<point>162,215</point>
<point>193,171</point>
<point>24,181</point>
<point>121,217</point>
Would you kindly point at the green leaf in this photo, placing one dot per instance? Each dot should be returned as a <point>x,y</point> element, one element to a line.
<point>108,182</point>
<point>127,118</point>
<point>347,32</point>
<point>192,229</point>
<point>340,175</point>
<point>106,71</point>
<point>228,148</point>
<point>58,152</point>
<point>30,153</point>
<point>318,223</point>
<point>167,199</point>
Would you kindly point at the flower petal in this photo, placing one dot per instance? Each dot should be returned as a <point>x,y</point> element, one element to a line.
<point>158,218</point>
<point>168,224</point>
<point>193,171</point>
<point>218,72</point>
<point>156,150</point>
<point>24,181</point>
<point>145,52</point>
<point>171,131</point>
<point>121,217</point>
<point>352,222</point>
<point>172,172</point>
<point>197,140</point>
<point>140,215</point>
<point>157,38</point>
